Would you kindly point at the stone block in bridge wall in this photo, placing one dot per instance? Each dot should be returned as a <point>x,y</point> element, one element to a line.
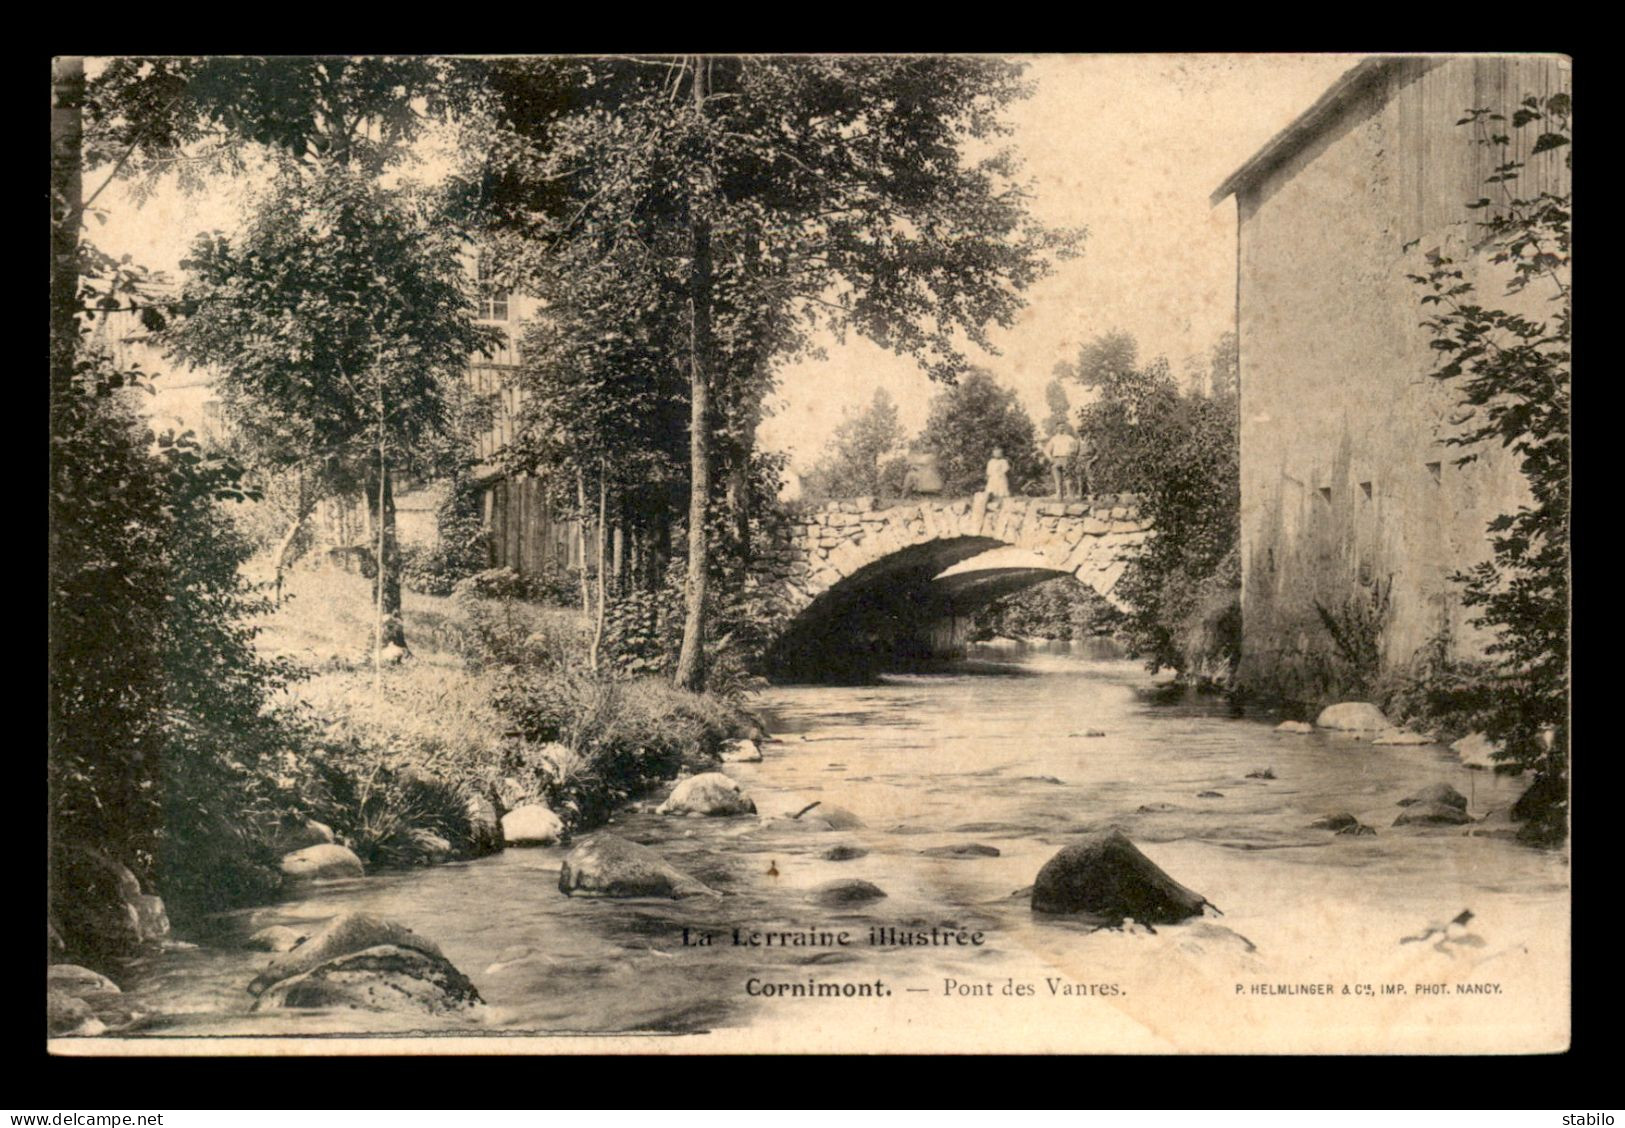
<point>978,514</point>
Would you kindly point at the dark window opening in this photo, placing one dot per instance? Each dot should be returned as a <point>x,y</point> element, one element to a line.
<point>1434,471</point>
<point>1365,488</point>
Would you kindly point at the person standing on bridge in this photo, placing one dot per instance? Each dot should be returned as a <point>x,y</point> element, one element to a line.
<point>998,474</point>
<point>1062,447</point>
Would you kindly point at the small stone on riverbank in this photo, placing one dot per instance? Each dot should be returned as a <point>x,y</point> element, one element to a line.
<point>1353,716</point>
<point>320,863</point>
<point>532,825</point>
<point>711,794</point>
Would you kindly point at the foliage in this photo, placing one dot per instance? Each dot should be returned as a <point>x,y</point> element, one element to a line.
<point>1179,453</point>
<point>157,741</point>
<point>193,116</point>
<point>855,461</point>
<point>1356,627</point>
<point>967,421</point>
<point>718,211</point>
<point>620,737</point>
<point>1510,367</point>
<point>1061,608</point>
<point>336,323</point>
<point>460,550</point>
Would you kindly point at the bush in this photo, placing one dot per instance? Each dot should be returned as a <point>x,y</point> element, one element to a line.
<point>620,737</point>
<point>461,550</point>
<point>159,749</point>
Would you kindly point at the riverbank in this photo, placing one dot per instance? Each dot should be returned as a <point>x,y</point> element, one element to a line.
<point>487,733</point>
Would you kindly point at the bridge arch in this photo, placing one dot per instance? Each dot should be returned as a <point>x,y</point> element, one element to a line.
<point>848,556</point>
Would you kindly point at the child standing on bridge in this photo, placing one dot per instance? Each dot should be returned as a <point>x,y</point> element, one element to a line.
<point>998,475</point>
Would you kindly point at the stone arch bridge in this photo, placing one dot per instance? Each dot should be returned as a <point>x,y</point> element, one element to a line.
<point>857,577</point>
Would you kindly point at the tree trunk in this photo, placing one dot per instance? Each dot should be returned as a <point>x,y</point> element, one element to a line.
<point>603,523</point>
<point>304,506</point>
<point>691,658</point>
<point>387,553</point>
<point>67,191</point>
<point>581,556</point>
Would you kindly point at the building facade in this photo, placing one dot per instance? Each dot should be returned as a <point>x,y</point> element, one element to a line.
<point>1355,514</point>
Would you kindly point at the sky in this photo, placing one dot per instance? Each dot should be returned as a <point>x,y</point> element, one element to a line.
<point>1128,146</point>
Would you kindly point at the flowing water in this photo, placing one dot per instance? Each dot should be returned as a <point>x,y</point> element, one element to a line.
<point>1016,749</point>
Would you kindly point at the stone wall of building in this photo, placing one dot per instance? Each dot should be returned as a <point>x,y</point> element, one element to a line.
<point>1351,501</point>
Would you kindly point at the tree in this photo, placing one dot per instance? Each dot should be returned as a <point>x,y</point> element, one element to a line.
<point>772,197</point>
<point>337,321</point>
<point>967,421</point>
<point>854,461</point>
<point>1511,370</point>
<point>1180,453</point>
<point>156,699</point>
<point>1060,408</point>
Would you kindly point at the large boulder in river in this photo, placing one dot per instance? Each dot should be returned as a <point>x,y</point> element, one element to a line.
<point>1353,716</point>
<point>1432,814</point>
<point>71,979</point>
<point>607,865</point>
<point>532,825</point>
<point>387,978</point>
<point>1105,876</point>
<point>1436,793</point>
<point>709,794</point>
<point>346,933</point>
<point>320,863</point>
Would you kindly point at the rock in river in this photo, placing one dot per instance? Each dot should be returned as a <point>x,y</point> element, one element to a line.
<point>1432,814</point>
<point>843,853</point>
<point>1436,793</point>
<point>846,891</point>
<point>1106,876</point>
<point>1297,727</point>
<point>1338,822</point>
<point>531,825</point>
<point>276,938</point>
<point>344,934</point>
<point>387,978</point>
<point>321,862</point>
<point>709,794</point>
<point>1403,738</point>
<point>606,865</point>
<point>71,979</point>
<point>741,752</point>
<point>1353,716</point>
<point>962,850</point>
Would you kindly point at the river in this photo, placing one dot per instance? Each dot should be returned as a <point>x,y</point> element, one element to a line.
<point>994,751</point>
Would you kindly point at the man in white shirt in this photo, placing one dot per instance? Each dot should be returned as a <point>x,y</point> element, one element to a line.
<point>1062,447</point>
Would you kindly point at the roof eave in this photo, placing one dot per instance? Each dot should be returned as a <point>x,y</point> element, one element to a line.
<point>1303,126</point>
